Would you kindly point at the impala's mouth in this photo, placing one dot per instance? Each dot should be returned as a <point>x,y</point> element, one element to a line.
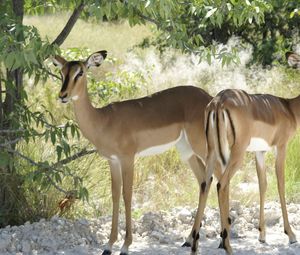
<point>64,100</point>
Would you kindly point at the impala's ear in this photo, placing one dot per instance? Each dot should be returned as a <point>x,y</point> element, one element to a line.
<point>96,58</point>
<point>293,59</point>
<point>59,61</point>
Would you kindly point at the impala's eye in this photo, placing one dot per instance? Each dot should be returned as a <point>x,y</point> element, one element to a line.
<point>78,75</point>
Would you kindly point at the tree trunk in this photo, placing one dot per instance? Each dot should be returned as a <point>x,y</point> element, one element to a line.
<point>9,189</point>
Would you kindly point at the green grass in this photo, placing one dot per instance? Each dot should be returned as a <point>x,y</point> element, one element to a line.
<point>160,182</point>
<point>117,38</point>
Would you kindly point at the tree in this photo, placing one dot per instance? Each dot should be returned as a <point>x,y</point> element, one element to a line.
<point>23,53</point>
<point>192,26</point>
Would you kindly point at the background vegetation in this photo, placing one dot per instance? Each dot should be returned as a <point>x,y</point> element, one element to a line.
<point>152,45</point>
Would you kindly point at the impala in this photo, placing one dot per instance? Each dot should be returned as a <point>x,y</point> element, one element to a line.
<point>237,122</point>
<point>146,126</point>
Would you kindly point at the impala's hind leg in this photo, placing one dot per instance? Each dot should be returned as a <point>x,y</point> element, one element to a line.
<point>280,159</point>
<point>199,170</point>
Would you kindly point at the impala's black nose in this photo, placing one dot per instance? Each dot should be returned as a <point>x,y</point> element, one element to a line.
<point>62,96</point>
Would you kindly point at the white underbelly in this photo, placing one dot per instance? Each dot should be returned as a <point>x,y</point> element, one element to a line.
<point>182,144</point>
<point>158,149</point>
<point>258,144</point>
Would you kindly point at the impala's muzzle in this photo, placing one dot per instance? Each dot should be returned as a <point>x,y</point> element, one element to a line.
<point>63,96</point>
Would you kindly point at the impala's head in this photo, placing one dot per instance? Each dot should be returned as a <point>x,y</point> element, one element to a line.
<point>74,74</point>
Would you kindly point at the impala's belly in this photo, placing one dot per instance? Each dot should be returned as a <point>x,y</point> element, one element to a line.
<point>158,149</point>
<point>258,144</point>
<point>182,144</point>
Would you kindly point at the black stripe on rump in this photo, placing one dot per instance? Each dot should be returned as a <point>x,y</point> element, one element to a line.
<point>219,141</point>
<point>207,126</point>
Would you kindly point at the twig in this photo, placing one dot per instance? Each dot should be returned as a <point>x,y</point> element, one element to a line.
<point>56,186</point>
<point>53,75</point>
<point>10,142</point>
<point>32,162</point>
<point>9,131</point>
<point>78,155</point>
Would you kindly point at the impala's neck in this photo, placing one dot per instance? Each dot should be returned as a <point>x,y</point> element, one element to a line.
<point>86,115</point>
<point>295,107</point>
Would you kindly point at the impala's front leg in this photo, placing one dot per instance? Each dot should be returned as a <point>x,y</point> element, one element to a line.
<point>262,180</point>
<point>127,175</point>
<point>116,181</point>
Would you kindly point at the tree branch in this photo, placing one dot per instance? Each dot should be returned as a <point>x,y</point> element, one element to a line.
<point>70,24</point>
<point>53,75</point>
<point>10,142</point>
<point>78,155</point>
<point>9,131</point>
<point>148,18</point>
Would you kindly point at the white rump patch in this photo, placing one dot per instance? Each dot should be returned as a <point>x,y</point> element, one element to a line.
<point>258,144</point>
<point>225,147</point>
<point>212,115</point>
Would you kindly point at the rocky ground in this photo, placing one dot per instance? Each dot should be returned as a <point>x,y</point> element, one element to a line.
<point>154,233</point>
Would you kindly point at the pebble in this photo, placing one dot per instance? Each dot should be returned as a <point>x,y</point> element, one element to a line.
<point>64,236</point>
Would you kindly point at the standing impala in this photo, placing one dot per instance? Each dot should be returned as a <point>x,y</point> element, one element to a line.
<point>141,127</point>
<point>237,122</point>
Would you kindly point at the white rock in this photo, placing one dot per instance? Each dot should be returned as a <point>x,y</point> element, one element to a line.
<point>272,217</point>
<point>26,248</point>
<point>4,242</point>
<point>184,215</point>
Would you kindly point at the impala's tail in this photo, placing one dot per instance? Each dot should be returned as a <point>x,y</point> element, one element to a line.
<point>220,134</point>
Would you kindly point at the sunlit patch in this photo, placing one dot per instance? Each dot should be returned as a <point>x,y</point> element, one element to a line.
<point>258,144</point>
<point>74,98</point>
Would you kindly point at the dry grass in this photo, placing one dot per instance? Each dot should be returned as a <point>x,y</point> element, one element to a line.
<point>161,182</point>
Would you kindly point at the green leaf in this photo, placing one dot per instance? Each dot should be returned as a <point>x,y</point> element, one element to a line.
<point>53,137</point>
<point>59,150</point>
<point>57,177</point>
<point>211,12</point>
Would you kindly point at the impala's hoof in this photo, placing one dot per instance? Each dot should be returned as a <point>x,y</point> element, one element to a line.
<point>186,244</point>
<point>221,245</point>
<point>262,240</point>
<point>293,241</point>
<point>123,253</point>
<point>106,252</point>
